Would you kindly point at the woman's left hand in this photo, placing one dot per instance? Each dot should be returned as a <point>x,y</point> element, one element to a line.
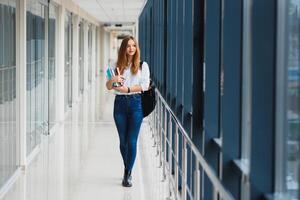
<point>122,89</point>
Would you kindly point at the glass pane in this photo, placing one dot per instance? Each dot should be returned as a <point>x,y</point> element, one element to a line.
<point>37,88</point>
<point>292,65</point>
<point>52,27</point>
<point>8,135</point>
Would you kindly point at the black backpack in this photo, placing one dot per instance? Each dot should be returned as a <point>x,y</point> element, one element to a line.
<point>148,98</point>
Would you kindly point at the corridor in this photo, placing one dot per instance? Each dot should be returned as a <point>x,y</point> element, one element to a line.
<point>81,160</point>
<point>226,99</point>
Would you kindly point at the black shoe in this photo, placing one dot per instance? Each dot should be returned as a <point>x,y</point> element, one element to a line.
<point>127,179</point>
<point>129,176</point>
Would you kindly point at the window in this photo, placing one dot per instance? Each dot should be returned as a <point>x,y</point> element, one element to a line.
<point>288,106</point>
<point>37,81</point>
<point>8,133</point>
<point>52,27</point>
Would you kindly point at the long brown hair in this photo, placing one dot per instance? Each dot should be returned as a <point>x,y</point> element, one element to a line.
<point>122,56</point>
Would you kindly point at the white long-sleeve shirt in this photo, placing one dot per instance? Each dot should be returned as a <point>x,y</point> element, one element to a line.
<point>142,78</point>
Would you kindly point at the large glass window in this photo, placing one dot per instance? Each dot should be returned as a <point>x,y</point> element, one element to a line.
<point>37,73</point>
<point>52,27</point>
<point>292,65</point>
<point>288,108</point>
<point>8,135</point>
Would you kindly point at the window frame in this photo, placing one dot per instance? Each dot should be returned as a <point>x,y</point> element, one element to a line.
<point>280,99</point>
<point>246,101</point>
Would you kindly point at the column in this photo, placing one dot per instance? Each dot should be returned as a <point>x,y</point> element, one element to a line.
<point>60,66</point>
<point>21,80</point>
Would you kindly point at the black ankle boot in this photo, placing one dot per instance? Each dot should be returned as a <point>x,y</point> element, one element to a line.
<point>127,179</point>
<point>129,176</point>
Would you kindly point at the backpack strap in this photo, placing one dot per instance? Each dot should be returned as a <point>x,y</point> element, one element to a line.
<point>141,64</point>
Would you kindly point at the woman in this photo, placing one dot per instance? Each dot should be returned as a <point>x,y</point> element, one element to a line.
<point>128,113</point>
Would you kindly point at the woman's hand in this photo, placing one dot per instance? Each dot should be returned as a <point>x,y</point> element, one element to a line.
<point>114,79</point>
<point>118,78</point>
<point>121,89</point>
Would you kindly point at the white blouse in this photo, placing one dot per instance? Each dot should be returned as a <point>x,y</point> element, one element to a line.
<point>142,78</point>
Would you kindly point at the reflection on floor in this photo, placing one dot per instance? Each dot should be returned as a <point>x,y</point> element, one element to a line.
<point>80,160</point>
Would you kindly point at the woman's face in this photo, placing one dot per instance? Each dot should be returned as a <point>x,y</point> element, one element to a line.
<point>131,48</point>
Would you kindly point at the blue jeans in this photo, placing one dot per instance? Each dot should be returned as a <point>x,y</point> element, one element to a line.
<point>128,116</point>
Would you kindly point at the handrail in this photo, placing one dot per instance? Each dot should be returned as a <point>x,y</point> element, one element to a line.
<point>218,187</point>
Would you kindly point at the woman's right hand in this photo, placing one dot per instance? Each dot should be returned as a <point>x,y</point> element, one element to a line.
<point>118,79</point>
<point>115,79</point>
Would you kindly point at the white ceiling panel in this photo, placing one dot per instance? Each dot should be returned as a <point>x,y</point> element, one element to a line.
<point>113,11</point>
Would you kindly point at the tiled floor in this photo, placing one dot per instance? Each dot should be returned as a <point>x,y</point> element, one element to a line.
<point>81,159</point>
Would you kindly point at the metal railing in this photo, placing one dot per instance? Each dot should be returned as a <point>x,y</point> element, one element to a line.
<point>182,164</point>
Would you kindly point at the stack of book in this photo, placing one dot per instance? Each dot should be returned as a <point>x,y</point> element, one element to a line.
<point>111,73</point>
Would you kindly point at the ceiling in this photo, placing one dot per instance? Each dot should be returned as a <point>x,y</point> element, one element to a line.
<point>113,11</point>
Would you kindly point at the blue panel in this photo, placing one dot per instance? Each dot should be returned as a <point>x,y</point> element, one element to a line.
<point>169,53</point>
<point>149,39</point>
<point>187,55</point>
<point>211,106</point>
<point>212,59</point>
<point>231,101</point>
<point>263,97</point>
<point>174,53</point>
<point>154,42</point>
<point>179,58</point>
<point>164,41</point>
<point>162,48</point>
<point>171,46</point>
<point>197,71</point>
<point>150,44</point>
